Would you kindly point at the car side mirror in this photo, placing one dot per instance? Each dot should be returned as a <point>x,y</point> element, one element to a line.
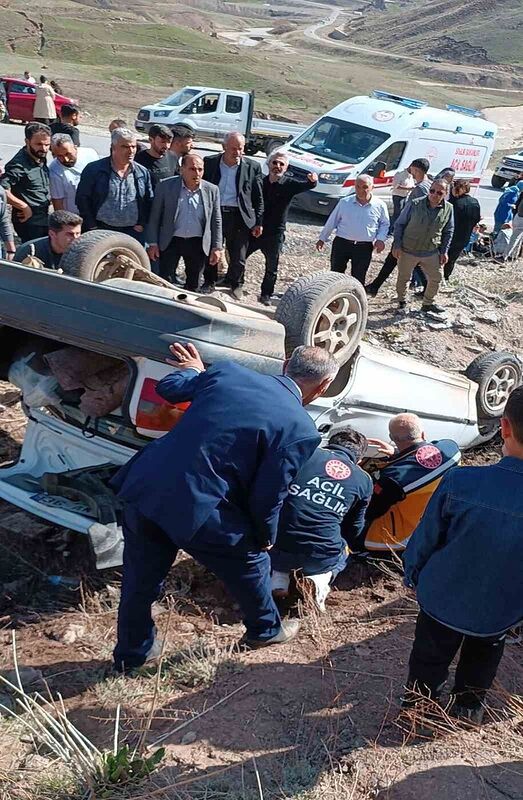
<point>376,169</point>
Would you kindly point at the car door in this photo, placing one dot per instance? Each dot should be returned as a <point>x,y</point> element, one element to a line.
<point>234,114</point>
<point>382,383</point>
<point>20,100</point>
<point>384,166</point>
<point>204,113</point>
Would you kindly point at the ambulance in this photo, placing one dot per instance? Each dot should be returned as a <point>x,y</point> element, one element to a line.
<point>381,134</point>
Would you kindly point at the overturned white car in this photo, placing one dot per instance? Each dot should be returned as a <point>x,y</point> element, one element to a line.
<point>87,347</point>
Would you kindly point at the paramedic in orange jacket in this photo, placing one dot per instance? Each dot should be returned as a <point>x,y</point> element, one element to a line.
<point>404,484</point>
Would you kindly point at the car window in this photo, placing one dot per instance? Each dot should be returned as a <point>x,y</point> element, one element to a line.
<point>391,156</point>
<point>180,97</point>
<point>205,104</point>
<point>340,140</point>
<point>233,104</point>
<point>21,88</point>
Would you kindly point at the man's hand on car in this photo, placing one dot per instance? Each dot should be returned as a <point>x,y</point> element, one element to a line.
<point>185,357</point>
<point>385,448</point>
<point>153,251</point>
<point>312,177</point>
<point>214,257</point>
<point>379,246</point>
<point>320,245</point>
<point>24,213</point>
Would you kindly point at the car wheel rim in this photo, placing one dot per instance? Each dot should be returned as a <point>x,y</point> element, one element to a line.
<point>336,326</point>
<point>502,382</point>
<point>118,263</point>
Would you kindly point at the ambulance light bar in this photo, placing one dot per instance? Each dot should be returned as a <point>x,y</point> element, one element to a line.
<point>409,102</point>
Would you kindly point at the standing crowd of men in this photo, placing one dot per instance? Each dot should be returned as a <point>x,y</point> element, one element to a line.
<point>221,209</point>
<point>258,501</point>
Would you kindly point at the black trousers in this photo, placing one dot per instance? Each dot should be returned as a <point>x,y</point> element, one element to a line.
<point>435,645</point>
<point>29,230</point>
<point>271,246</point>
<point>358,253</point>
<point>193,256</point>
<point>455,250</point>
<point>236,236</point>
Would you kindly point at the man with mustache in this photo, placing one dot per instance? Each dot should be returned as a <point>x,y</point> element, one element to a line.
<point>26,183</point>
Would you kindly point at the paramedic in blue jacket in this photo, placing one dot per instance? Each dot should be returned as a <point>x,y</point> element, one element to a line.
<point>326,502</point>
<point>214,486</point>
<point>465,562</point>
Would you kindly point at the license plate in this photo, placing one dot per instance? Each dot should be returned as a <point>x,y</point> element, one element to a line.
<point>54,501</point>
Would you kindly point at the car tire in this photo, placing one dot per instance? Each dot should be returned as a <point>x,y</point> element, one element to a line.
<point>273,144</point>
<point>326,309</point>
<point>496,374</point>
<point>97,256</point>
<point>497,182</point>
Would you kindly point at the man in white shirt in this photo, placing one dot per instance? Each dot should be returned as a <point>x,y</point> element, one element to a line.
<point>402,185</point>
<point>361,222</point>
<point>65,170</point>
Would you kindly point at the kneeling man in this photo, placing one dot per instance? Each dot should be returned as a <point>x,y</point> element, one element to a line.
<point>325,506</point>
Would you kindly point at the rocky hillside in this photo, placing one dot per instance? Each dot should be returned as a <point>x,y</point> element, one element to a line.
<point>460,31</point>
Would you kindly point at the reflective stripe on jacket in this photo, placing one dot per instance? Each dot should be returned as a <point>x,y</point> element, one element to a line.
<point>402,490</point>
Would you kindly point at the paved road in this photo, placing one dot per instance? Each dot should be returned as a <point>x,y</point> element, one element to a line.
<point>12,138</point>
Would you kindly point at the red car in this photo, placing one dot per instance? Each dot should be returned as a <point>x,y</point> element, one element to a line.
<point>21,98</point>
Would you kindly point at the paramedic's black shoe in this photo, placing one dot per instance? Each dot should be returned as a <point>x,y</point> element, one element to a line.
<point>370,290</point>
<point>474,716</point>
<point>289,629</point>
<point>265,299</point>
<point>208,288</point>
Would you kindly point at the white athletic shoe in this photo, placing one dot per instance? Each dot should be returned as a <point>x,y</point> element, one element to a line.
<point>320,588</point>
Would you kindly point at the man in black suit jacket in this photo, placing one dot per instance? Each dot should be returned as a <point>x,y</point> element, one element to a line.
<point>241,199</point>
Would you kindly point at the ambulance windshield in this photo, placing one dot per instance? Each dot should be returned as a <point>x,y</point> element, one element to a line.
<point>340,140</point>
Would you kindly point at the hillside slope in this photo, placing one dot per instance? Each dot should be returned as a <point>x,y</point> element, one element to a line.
<point>461,31</point>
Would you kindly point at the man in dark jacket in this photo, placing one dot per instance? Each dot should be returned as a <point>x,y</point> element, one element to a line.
<point>325,507</point>
<point>278,192</point>
<point>115,193</point>
<point>241,199</point>
<point>214,486</point>
<point>467,214</point>
<point>464,561</point>
<point>26,183</point>
<point>64,229</point>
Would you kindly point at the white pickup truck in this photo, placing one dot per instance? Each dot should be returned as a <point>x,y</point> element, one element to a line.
<point>214,112</point>
<point>509,169</point>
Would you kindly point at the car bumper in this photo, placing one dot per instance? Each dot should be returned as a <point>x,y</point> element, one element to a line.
<point>316,202</point>
<point>142,127</point>
<point>508,173</point>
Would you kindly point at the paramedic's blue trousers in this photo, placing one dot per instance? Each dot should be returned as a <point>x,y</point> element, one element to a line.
<point>148,555</point>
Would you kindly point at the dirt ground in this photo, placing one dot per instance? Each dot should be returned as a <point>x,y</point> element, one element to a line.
<point>318,718</point>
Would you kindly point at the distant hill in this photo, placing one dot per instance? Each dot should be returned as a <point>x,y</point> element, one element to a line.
<point>461,31</point>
